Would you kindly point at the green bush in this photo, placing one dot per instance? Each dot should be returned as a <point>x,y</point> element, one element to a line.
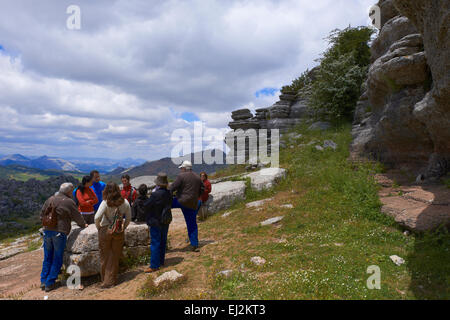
<point>343,68</point>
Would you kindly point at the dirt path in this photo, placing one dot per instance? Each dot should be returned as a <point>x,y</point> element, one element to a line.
<point>19,275</point>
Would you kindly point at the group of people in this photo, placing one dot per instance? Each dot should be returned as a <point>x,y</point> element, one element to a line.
<point>112,208</point>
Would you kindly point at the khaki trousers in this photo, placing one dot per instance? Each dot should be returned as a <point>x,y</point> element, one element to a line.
<point>111,246</point>
<point>203,212</point>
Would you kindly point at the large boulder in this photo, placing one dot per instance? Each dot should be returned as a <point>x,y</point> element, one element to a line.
<point>147,180</point>
<point>89,262</point>
<point>266,178</point>
<point>224,194</point>
<point>86,240</point>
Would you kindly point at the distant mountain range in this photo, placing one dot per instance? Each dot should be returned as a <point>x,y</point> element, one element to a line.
<point>19,167</point>
<point>152,168</point>
<point>70,164</point>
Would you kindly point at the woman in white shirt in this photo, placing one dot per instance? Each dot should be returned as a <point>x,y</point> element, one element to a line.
<point>111,232</point>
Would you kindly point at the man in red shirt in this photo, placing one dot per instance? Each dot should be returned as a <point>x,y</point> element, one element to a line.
<point>128,192</point>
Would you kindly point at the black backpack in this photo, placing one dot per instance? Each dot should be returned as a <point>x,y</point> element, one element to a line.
<point>166,215</point>
<point>139,213</point>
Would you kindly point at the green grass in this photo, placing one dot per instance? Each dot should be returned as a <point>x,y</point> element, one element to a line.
<point>334,233</point>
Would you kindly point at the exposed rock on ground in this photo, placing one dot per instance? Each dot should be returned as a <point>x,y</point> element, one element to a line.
<point>258,261</point>
<point>169,276</point>
<point>417,208</point>
<point>271,221</point>
<point>266,178</point>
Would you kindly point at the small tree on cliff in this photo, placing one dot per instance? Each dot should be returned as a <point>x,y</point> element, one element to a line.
<point>343,68</point>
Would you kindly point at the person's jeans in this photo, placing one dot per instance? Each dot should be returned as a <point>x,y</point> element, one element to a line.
<point>54,245</point>
<point>158,236</point>
<point>190,216</point>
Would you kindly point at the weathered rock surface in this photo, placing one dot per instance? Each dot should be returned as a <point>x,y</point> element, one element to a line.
<point>258,261</point>
<point>147,180</point>
<point>271,221</point>
<point>417,208</point>
<point>404,117</point>
<point>266,178</point>
<point>170,276</point>
<point>258,203</point>
<point>224,194</point>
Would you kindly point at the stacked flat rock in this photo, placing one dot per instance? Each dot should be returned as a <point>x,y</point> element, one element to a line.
<point>242,114</point>
<point>280,110</point>
<point>252,123</point>
<point>288,97</point>
<point>261,114</point>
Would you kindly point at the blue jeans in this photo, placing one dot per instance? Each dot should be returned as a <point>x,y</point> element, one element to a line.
<point>54,245</point>
<point>190,216</point>
<point>158,243</point>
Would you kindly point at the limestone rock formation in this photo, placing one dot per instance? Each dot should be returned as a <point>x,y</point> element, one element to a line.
<point>290,111</point>
<point>403,116</point>
<point>82,246</point>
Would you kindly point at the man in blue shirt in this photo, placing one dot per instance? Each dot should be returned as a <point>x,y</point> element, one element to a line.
<point>98,187</point>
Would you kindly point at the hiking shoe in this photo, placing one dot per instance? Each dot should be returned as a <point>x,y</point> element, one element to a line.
<point>194,248</point>
<point>42,286</point>
<point>50,287</point>
<point>150,270</point>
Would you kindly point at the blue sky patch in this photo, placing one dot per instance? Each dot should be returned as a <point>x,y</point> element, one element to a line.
<point>189,117</point>
<point>1,48</point>
<point>266,92</point>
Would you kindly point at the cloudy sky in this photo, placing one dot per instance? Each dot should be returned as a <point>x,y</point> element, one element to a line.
<point>138,69</point>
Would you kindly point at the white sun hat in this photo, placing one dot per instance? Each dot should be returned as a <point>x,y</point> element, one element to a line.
<point>186,164</point>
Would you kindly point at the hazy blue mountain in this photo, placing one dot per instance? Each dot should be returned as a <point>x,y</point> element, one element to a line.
<point>15,159</point>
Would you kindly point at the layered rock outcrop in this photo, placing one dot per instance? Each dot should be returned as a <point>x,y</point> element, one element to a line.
<point>403,115</point>
<point>283,115</point>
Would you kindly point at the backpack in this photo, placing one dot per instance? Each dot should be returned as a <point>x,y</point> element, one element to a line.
<point>166,215</point>
<point>75,199</point>
<point>49,216</point>
<point>139,213</point>
<point>116,226</point>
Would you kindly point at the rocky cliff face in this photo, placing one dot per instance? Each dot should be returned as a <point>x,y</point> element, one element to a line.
<point>403,115</point>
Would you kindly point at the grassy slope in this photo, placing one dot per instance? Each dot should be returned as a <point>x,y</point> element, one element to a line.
<point>323,247</point>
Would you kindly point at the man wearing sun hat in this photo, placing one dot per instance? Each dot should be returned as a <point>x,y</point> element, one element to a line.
<point>154,206</point>
<point>188,187</point>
